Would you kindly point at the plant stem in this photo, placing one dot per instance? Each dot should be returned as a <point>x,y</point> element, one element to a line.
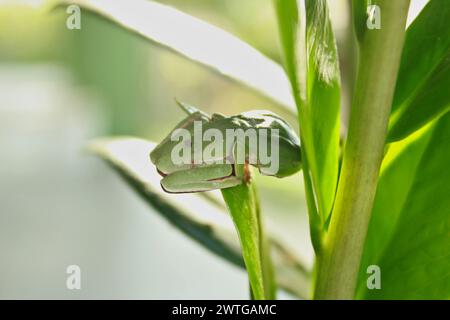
<point>265,252</point>
<point>243,205</point>
<point>380,52</point>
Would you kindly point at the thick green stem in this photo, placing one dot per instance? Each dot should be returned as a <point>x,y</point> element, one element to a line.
<point>339,260</point>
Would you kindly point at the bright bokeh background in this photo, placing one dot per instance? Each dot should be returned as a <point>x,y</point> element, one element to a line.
<point>60,206</point>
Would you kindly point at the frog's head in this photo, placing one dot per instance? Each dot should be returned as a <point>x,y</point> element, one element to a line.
<point>161,155</point>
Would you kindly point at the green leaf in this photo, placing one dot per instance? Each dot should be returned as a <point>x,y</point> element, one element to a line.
<point>199,41</point>
<point>409,232</point>
<point>311,61</point>
<point>424,78</point>
<point>130,157</point>
<point>210,227</point>
<point>243,205</point>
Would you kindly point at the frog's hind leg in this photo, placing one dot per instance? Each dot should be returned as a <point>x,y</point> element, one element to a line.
<point>200,179</point>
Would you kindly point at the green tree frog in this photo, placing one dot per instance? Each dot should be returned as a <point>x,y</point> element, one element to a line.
<point>205,152</point>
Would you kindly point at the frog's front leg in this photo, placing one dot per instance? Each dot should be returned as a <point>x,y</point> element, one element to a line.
<point>198,179</point>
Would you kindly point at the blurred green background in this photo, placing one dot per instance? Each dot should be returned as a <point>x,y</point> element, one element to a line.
<point>59,206</point>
